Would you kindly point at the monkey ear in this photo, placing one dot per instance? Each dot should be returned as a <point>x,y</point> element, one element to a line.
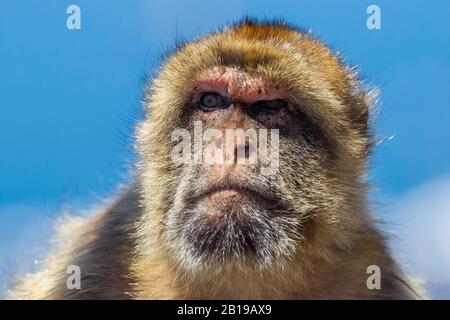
<point>371,98</point>
<point>362,101</point>
<point>363,115</point>
<point>364,109</point>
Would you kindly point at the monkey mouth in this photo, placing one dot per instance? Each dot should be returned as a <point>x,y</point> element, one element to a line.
<point>234,221</point>
<point>227,200</point>
<point>236,224</point>
<point>229,190</point>
<point>228,194</point>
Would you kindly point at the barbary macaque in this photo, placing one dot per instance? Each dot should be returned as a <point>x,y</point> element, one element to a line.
<point>295,226</point>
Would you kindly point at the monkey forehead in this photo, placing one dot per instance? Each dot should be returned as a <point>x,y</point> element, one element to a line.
<point>237,84</point>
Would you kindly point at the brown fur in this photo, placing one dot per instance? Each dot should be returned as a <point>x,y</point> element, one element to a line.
<point>122,250</point>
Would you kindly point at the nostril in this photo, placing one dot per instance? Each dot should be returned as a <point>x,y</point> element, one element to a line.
<point>247,150</point>
<point>242,152</point>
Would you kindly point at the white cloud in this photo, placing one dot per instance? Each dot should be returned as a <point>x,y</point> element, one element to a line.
<point>24,233</point>
<point>422,224</point>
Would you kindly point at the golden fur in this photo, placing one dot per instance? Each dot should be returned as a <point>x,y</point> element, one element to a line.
<point>122,251</point>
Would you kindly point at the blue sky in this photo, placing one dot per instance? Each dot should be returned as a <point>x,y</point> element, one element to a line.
<point>69,97</point>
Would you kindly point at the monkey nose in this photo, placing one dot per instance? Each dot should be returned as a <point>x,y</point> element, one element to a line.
<point>243,152</point>
<point>232,155</point>
<point>235,149</point>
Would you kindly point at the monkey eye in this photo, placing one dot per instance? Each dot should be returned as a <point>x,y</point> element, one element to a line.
<point>269,106</point>
<point>210,101</point>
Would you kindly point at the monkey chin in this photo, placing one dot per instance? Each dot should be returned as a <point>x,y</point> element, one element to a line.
<point>233,227</point>
<point>224,204</point>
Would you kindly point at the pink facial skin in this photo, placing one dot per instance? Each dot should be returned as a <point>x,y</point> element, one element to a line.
<point>242,87</point>
<point>237,85</point>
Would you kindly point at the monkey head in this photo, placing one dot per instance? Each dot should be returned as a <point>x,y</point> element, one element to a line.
<point>298,105</point>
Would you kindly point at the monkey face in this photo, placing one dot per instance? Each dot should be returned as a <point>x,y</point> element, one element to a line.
<point>239,207</point>
<point>231,210</point>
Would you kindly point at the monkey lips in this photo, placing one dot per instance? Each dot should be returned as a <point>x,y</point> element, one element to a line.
<point>233,224</point>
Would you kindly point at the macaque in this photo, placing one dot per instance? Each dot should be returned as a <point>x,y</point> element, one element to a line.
<point>297,226</point>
